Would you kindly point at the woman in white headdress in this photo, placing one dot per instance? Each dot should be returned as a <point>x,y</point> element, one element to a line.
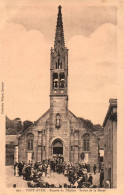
<point>48,171</point>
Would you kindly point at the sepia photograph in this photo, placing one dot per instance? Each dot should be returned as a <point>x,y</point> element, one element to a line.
<point>60,85</point>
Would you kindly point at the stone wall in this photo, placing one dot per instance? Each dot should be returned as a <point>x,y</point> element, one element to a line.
<point>70,133</point>
<point>110,155</point>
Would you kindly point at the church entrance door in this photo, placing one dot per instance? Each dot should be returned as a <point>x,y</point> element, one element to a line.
<point>57,147</point>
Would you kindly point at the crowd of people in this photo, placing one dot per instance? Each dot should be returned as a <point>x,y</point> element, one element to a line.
<point>78,175</point>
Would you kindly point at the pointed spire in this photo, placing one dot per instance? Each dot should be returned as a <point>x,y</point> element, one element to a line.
<point>59,36</point>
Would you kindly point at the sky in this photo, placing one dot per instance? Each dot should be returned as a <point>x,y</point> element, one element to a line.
<point>27,33</point>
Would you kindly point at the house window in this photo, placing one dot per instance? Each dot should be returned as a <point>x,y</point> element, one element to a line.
<point>30,139</point>
<point>86,141</point>
<point>71,148</point>
<point>44,148</point>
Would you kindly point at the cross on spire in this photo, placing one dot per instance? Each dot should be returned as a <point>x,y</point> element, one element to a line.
<point>59,35</point>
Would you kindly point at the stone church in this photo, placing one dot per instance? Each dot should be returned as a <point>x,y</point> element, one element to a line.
<point>58,130</point>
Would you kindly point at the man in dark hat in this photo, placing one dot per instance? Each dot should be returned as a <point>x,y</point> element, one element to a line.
<point>94,169</point>
<point>101,178</point>
<point>90,179</point>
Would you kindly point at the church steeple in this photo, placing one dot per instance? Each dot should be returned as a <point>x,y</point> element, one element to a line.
<point>59,62</point>
<point>59,76</point>
<point>59,36</point>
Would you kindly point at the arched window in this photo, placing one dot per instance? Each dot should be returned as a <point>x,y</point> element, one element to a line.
<point>58,120</point>
<point>30,139</point>
<point>62,80</point>
<point>86,142</point>
<point>58,63</point>
<point>55,80</point>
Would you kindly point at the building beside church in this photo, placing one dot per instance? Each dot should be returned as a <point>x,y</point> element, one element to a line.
<point>110,144</point>
<point>58,130</point>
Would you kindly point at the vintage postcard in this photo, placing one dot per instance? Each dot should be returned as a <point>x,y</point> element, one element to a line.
<point>61,69</point>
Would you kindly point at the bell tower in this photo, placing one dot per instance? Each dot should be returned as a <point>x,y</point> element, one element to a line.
<point>59,123</point>
<point>59,62</point>
<point>59,74</point>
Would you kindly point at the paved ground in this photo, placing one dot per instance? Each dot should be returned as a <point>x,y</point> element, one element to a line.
<point>54,179</point>
<point>61,179</point>
<point>96,178</point>
<point>11,179</point>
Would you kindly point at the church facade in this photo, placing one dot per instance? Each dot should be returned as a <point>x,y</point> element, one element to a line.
<point>59,131</point>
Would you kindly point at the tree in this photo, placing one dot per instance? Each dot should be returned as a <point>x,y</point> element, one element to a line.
<point>13,127</point>
<point>89,125</point>
<point>9,123</point>
<point>26,124</point>
<point>18,125</point>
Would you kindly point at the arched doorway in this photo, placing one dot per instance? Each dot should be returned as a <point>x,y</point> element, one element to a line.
<point>57,147</point>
